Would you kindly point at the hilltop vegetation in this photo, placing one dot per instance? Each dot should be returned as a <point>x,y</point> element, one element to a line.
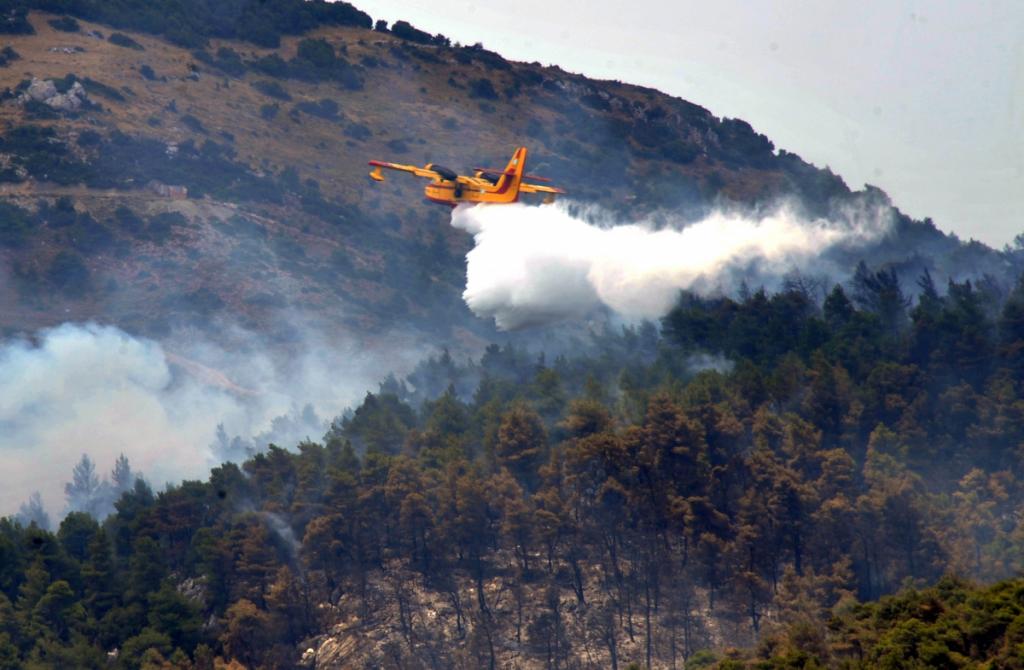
<point>270,144</point>
<point>626,504</point>
<point>191,23</point>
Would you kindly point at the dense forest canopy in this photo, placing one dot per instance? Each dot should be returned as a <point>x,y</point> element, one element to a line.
<point>631,500</point>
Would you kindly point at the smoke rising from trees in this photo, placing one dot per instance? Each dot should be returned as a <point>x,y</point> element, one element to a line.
<point>94,390</point>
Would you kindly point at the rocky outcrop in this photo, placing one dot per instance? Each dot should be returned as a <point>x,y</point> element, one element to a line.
<point>45,91</point>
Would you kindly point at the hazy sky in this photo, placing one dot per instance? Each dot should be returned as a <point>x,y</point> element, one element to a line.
<point>923,99</point>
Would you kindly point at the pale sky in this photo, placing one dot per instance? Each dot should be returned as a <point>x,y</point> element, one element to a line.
<point>923,99</point>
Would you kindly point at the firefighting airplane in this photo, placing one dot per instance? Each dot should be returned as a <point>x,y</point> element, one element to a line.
<point>486,185</point>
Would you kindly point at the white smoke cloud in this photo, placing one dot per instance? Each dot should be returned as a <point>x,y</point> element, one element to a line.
<point>87,388</point>
<point>539,264</point>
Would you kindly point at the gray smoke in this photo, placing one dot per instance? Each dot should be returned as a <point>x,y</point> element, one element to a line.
<point>93,389</point>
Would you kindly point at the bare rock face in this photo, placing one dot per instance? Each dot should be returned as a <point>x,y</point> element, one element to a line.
<point>45,91</point>
<point>40,90</point>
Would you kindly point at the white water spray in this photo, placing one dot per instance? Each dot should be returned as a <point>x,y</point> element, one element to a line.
<point>534,265</point>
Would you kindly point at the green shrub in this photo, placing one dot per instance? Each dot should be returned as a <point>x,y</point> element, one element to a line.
<point>487,58</point>
<point>324,108</point>
<point>680,152</point>
<point>40,110</point>
<point>229,62</point>
<point>14,20</point>
<point>125,218</point>
<point>595,101</point>
<point>89,236</point>
<point>38,150</point>
<point>99,88</point>
<point>14,224</point>
<point>7,56</point>
<point>162,226</point>
<point>89,138</point>
<point>69,273</point>
<point>318,52</point>
<point>271,88</point>
<point>406,31</point>
<point>147,72</point>
<point>61,215</point>
<point>65,24</point>
<point>482,88</point>
<point>272,65</point>
<point>122,40</point>
<point>269,112</point>
<point>193,124</point>
<point>358,131</point>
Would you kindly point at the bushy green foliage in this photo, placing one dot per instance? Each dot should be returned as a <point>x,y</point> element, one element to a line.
<point>227,60</point>
<point>271,88</point>
<point>488,59</point>
<point>398,146</point>
<point>8,55</point>
<point>269,112</point>
<point>193,123</point>
<point>324,108</point>
<point>14,18</point>
<point>14,225</point>
<point>65,24</point>
<point>68,273</point>
<point>358,131</point>
<point>122,40</point>
<point>482,88</point>
<point>132,162</point>
<point>953,624</point>
<point>162,226</point>
<point>92,86</point>
<point>272,65</point>
<point>38,150</point>
<point>190,23</point>
<point>406,31</point>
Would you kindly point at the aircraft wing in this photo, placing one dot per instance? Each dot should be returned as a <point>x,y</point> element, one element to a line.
<point>412,169</point>
<point>537,188</point>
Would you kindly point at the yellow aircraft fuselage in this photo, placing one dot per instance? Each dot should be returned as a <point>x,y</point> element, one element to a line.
<point>490,186</point>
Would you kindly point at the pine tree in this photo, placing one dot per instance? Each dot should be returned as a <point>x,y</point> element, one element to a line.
<point>521,444</point>
<point>122,479</point>
<point>75,533</point>
<point>175,616</point>
<point>31,591</point>
<point>85,492</point>
<point>98,577</point>
<point>256,563</point>
<point>145,569</point>
<point>33,511</point>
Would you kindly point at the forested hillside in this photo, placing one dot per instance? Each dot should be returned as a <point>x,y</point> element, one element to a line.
<point>642,502</point>
<point>183,165</point>
<point>826,474</point>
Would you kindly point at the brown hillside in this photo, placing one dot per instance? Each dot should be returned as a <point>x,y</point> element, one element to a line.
<point>360,256</point>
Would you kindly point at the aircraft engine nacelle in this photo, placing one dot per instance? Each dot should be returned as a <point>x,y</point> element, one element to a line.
<point>447,174</point>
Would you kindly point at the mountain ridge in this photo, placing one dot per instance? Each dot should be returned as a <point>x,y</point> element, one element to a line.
<point>282,134</point>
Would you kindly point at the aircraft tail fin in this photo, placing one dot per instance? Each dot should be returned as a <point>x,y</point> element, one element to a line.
<point>512,176</point>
